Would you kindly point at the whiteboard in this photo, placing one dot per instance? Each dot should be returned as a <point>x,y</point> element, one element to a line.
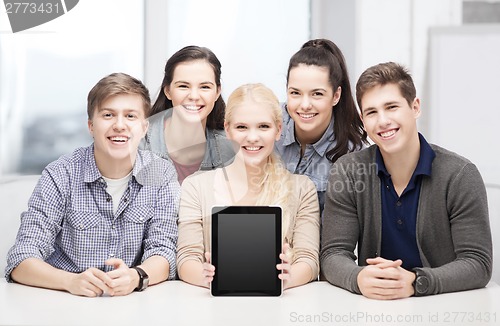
<point>461,109</point>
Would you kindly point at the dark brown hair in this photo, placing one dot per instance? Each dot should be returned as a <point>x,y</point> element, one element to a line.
<point>347,126</point>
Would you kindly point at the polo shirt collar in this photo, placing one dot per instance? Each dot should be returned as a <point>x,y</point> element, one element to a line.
<point>424,165</point>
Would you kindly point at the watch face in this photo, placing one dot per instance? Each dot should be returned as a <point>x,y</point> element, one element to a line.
<point>145,282</point>
<point>422,284</point>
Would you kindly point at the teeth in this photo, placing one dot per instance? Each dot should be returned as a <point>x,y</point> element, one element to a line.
<point>252,148</point>
<point>119,139</point>
<point>388,133</point>
<point>192,107</point>
<point>307,116</point>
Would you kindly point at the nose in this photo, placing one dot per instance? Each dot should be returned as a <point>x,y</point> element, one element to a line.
<point>305,103</point>
<point>384,119</point>
<point>194,93</point>
<point>119,123</point>
<point>252,135</point>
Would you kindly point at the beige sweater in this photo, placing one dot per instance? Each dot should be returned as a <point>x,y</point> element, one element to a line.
<point>200,193</point>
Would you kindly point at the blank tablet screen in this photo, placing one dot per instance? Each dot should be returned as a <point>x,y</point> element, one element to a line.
<point>246,243</point>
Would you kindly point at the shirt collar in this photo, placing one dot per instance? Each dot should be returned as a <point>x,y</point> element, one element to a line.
<point>90,170</point>
<point>92,173</point>
<point>321,146</point>
<point>424,165</point>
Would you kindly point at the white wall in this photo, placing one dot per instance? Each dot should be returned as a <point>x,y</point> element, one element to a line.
<point>254,40</point>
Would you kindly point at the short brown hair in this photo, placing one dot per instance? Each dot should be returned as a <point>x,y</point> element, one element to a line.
<point>386,73</point>
<point>115,84</point>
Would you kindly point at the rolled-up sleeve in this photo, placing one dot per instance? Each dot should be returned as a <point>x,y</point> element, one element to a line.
<point>40,224</point>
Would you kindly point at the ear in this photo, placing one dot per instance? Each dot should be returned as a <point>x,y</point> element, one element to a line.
<point>145,126</point>
<point>90,125</point>
<point>166,91</point>
<point>415,106</point>
<point>219,91</point>
<point>337,95</point>
<point>278,134</point>
<point>226,128</point>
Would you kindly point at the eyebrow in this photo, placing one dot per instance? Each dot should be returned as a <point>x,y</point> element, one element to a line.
<point>312,90</point>
<point>186,82</point>
<point>386,104</point>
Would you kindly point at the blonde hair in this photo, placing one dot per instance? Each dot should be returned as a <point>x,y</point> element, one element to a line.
<point>276,183</point>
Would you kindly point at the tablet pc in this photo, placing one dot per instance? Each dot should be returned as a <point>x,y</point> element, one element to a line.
<point>246,244</point>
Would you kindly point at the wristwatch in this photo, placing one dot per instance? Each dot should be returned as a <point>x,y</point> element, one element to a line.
<point>421,283</point>
<point>143,279</point>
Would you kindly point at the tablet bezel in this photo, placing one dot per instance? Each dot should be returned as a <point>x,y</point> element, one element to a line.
<point>276,211</point>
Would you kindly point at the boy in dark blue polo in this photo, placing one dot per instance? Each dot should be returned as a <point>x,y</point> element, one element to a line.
<point>419,216</point>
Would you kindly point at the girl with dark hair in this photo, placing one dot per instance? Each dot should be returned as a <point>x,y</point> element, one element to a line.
<point>187,119</point>
<point>320,119</point>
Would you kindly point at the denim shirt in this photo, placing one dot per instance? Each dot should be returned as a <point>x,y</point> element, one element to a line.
<point>70,222</point>
<point>314,162</point>
<point>219,150</point>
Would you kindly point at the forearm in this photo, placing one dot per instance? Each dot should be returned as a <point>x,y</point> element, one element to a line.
<point>36,272</point>
<point>301,273</point>
<point>191,271</point>
<point>341,271</point>
<point>157,268</point>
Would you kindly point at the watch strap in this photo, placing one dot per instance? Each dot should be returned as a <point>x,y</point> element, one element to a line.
<point>143,279</point>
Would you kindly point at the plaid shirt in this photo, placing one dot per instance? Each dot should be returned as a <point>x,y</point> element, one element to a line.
<point>70,222</point>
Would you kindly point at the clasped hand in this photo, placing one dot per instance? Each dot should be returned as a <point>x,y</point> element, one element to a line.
<point>94,282</point>
<point>385,279</point>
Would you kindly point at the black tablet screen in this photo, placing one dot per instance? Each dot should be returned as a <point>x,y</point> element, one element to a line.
<point>246,246</point>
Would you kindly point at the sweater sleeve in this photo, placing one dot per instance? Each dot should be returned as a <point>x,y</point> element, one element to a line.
<point>467,207</point>
<point>306,228</point>
<point>190,243</point>
<point>340,231</point>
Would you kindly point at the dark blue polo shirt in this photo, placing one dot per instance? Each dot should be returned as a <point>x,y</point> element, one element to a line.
<point>399,214</point>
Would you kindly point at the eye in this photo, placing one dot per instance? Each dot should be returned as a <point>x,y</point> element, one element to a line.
<point>131,116</point>
<point>240,127</point>
<point>206,87</point>
<point>264,126</point>
<point>317,94</point>
<point>182,86</point>
<point>107,115</point>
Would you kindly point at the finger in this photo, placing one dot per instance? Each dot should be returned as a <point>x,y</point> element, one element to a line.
<point>115,262</point>
<point>207,257</point>
<point>383,263</point>
<point>100,279</point>
<point>284,267</point>
<point>284,276</point>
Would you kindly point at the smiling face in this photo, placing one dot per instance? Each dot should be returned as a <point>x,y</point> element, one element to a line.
<point>193,90</point>
<point>310,101</point>
<point>389,120</point>
<point>117,127</point>
<point>254,128</point>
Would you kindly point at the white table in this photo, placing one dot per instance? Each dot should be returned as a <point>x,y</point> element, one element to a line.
<point>177,303</point>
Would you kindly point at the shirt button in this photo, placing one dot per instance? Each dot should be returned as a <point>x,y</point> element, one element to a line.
<point>113,226</point>
<point>400,221</point>
<point>81,226</point>
<point>141,219</point>
<point>111,254</point>
<point>398,203</point>
<point>108,199</point>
